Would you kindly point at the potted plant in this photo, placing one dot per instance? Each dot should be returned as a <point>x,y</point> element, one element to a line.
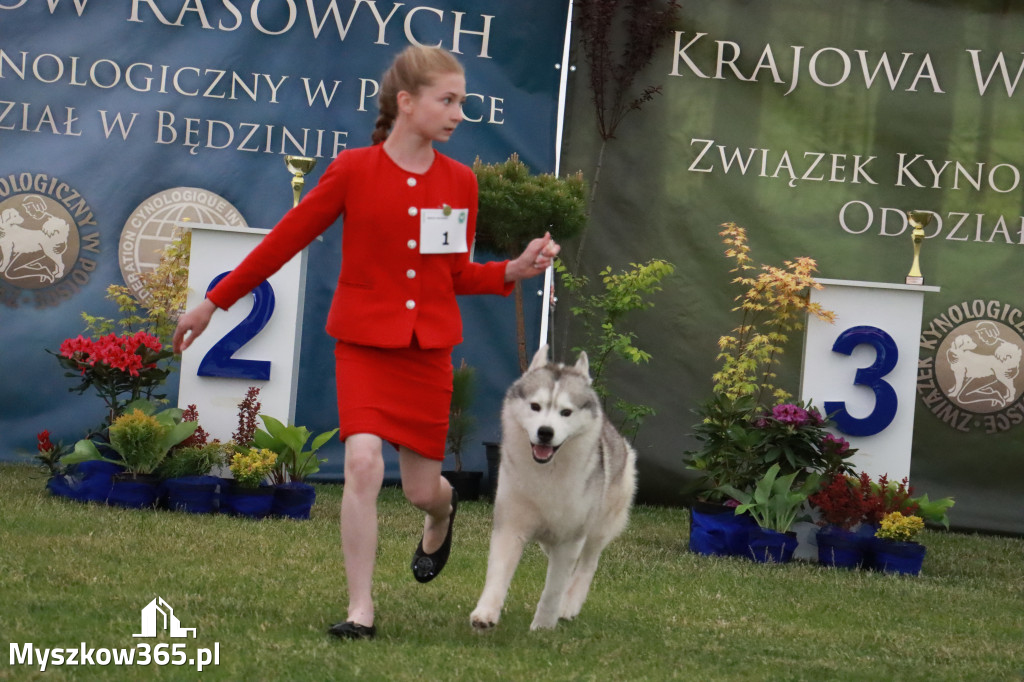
<point>741,439</point>
<point>125,369</point>
<point>461,425</point>
<point>250,494</point>
<point>188,482</point>
<point>883,496</point>
<point>774,505</point>
<point>121,369</point>
<point>293,497</point>
<point>48,455</point>
<point>141,438</point>
<point>740,430</point>
<point>82,481</point>
<point>851,510</point>
<point>840,507</point>
<point>894,548</point>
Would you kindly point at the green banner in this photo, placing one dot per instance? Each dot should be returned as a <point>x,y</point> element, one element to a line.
<point>817,126</point>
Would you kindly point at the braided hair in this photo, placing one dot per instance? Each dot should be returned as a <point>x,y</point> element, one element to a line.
<point>415,67</point>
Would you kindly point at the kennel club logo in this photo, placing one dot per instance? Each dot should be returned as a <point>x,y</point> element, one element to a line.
<point>156,222</point>
<point>969,372</point>
<point>49,241</point>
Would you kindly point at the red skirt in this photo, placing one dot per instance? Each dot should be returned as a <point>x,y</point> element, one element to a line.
<point>402,395</point>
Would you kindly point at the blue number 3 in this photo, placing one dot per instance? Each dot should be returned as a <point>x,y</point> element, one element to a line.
<point>886,402</point>
<point>218,361</point>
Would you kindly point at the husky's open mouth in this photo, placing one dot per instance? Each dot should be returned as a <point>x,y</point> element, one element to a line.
<point>542,454</point>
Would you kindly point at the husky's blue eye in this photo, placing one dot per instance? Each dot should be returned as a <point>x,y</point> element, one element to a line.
<point>535,407</point>
<point>566,413</point>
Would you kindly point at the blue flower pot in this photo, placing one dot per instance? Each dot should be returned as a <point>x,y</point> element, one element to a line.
<point>770,546</point>
<point>293,500</point>
<point>133,491</point>
<point>716,530</point>
<point>193,494</point>
<point>61,486</point>
<point>91,481</point>
<point>905,558</point>
<point>254,503</point>
<point>840,548</point>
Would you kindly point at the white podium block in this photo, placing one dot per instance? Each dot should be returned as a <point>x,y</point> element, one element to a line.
<point>862,370</point>
<point>255,343</point>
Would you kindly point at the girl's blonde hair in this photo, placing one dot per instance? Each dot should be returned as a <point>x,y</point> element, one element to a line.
<point>415,67</point>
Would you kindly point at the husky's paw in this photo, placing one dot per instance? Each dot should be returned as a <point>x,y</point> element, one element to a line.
<point>569,612</point>
<point>572,605</point>
<point>540,623</point>
<point>483,619</point>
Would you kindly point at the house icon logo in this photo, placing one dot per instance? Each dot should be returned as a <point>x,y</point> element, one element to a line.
<point>158,614</point>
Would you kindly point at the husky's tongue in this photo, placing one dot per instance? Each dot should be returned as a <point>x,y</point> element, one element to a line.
<point>543,453</point>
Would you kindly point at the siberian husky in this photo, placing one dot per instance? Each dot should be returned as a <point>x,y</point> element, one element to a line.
<point>566,479</point>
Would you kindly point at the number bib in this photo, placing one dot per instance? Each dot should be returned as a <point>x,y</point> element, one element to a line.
<point>443,230</point>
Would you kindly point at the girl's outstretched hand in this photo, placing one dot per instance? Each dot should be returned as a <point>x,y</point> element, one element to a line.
<point>192,323</point>
<point>536,258</point>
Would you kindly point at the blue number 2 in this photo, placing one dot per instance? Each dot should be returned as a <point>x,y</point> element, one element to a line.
<point>218,361</point>
<point>886,403</point>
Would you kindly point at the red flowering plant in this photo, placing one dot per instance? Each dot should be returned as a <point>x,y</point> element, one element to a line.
<point>883,497</point>
<point>248,413</point>
<point>121,369</point>
<point>840,502</point>
<point>49,454</point>
<point>846,501</point>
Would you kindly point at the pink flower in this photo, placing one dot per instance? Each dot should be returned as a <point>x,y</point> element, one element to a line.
<point>840,444</point>
<point>790,414</point>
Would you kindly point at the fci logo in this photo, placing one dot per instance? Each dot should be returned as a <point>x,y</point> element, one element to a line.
<point>157,222</point>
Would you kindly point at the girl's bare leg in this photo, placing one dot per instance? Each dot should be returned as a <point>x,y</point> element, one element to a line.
<point>364,476</point>
<point>427,489</point>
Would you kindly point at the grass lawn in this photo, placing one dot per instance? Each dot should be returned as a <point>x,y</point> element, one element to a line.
<point>263,592</point>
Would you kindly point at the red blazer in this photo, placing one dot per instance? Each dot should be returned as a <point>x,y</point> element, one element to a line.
<point>387,290</point>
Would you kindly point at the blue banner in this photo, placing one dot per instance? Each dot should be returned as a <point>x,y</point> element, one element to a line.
<point>120,118</point>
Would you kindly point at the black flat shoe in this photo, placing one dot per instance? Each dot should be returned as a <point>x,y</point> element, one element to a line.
<point>426,567</point>
<point>350,630</point>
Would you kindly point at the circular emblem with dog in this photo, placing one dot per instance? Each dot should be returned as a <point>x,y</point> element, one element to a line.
<point>39,241</point>
<point>48,240</point>
<point>970,373</point>
<point>157,221</point>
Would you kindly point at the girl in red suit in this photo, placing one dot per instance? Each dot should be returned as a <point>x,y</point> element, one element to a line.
<point>409,221</point>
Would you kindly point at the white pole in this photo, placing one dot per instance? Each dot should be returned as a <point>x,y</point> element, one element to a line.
<point>547,292</point>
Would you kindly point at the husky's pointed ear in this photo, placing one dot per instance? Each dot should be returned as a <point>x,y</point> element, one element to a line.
<point>583,365</point>
<point>540,358</point>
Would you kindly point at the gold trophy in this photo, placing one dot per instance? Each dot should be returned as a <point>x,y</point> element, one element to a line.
<point>918,220</point>
<point>299,166</point>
